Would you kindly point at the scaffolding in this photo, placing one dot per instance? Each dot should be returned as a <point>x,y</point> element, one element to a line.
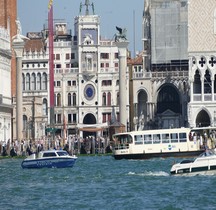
<point>169,35</point>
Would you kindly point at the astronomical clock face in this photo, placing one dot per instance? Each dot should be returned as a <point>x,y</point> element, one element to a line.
<point>89,92</point>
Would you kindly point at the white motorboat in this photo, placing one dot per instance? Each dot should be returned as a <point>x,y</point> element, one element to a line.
<point>205,163</point>
<point>49,159</point>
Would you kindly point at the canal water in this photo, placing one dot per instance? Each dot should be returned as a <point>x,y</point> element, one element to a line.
<point>101,182</point>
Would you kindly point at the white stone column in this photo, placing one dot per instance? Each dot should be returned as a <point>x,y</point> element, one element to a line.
<point>122,50</point>
<point>18,46</point>
<point>212,89</point>
<point>202,89</point>
<point>191,91</point>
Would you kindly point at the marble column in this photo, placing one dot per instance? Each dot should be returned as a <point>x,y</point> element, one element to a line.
<point>122,50</point>
<point>18,46</point>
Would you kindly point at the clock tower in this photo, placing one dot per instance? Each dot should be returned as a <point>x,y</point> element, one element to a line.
<point>98,77</point>
<point>87,31</point>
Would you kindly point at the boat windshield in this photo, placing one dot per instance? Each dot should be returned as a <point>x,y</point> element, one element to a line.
<point>62,153</point>
<point>122,141</point>
<point>207,153</point>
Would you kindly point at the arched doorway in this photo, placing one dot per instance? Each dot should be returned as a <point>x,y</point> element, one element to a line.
<point>89,119</point>
<point>168,107</point>
<point>142,103</point>
<point>203,119</point>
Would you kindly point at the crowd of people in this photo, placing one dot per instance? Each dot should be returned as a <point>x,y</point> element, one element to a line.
<point>73,145</point>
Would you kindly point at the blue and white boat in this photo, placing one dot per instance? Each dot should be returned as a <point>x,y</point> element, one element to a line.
<point>49,159</point>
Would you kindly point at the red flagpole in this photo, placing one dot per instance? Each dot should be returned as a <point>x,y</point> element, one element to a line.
<point>51,63</point>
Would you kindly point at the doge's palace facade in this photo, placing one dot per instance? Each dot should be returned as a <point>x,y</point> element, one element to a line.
<point>202,62</point>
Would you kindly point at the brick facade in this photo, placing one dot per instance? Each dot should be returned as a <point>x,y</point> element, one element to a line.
<point>8,11</point>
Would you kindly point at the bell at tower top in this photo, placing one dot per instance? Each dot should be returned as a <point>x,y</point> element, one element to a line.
<point>87,4</point>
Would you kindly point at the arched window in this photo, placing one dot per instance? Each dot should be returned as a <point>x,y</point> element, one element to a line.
<point>109,99</point>
<point>25,122</point>
<point>69,99</point>
<point>104,99</point>
<point>215,83</point>
<point>33,81</point>
<point>58,99</point>
<point>207,82</point>
<point>55,99</point>
<point>142,102</point>
<point>74,99</point>
<point>45,111</point>
<point>23,82</point>
<point>27,81</point>
<point>44,81</point>
<point>25,126</point>
<point>117,99</point>
<point>38,81</point>
<point>197,82</point>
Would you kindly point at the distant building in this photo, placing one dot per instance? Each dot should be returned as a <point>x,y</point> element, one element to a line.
<point>86,80</point>
<point>202,62</point>
<point>5,86</point>
<point>160,85</point>
<point>8,15</point>
<point>175,87</point>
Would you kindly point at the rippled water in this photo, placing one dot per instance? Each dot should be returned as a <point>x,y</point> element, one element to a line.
<point>100,182</point>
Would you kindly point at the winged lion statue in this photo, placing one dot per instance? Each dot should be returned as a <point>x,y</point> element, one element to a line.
<point>121,34</point>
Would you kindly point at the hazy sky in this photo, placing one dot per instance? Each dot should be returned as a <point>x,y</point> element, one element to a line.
<point>123,13</point>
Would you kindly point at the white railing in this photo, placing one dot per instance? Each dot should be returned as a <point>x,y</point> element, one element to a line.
<point>62,44</point>
<point>197,97</point>
<point>162,74</point>
<point>206,97</point>
<point>66,71</point>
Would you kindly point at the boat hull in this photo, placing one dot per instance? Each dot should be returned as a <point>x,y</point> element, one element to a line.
<point>48,163</point>
<point>195,170</point>
<point>157,155</point>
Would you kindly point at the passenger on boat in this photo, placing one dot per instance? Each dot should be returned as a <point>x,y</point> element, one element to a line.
<point>207,153</point>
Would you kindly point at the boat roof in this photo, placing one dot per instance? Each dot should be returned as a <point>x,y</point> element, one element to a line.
<point>168,130</point>
<point>48,151</point>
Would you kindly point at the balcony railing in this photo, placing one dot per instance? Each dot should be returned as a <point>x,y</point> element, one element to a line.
<point>160,74</point>
<point>206,97</point>
<point>66,71</point>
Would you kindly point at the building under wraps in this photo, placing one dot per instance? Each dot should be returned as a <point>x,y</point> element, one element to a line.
<point>175,86</point>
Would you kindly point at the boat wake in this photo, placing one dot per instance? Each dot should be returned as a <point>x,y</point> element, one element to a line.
<point>150,173</point>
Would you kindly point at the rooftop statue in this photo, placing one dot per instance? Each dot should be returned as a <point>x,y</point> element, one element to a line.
<point>19,28</point>
<point>121,35</point>
<point>19,37</point>
<point>87,4</point>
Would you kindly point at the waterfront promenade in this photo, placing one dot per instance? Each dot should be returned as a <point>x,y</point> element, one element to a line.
<point>74,145</point>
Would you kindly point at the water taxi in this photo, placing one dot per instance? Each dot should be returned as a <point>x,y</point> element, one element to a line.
<point>203,164</point>
<point>174,142</point>
<point>49,159</point>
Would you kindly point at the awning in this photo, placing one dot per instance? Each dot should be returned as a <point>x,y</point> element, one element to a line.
<point>92,127</point>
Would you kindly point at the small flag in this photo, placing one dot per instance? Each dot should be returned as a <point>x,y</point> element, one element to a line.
<point>50,4</point>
